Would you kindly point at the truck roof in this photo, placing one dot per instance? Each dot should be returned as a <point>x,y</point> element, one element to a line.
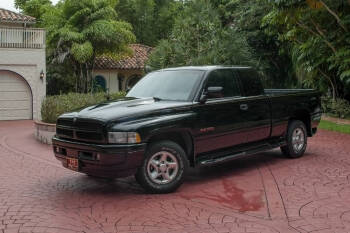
<point>205,68</point>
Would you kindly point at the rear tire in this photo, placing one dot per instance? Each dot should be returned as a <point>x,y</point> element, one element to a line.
<point>296,140</point>
<point>164,167</point>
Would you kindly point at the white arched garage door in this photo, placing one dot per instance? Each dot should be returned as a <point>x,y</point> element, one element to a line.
<point>15,97</point>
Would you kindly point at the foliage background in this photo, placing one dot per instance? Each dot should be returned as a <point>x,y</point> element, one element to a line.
<point>292,43</point>
<point>199,38</point>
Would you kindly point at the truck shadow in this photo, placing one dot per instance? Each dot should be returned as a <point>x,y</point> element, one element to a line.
<point>236,186</point>
<point>195,177</point>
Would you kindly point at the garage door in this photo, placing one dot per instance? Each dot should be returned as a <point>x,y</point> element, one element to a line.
<point>15,97</point>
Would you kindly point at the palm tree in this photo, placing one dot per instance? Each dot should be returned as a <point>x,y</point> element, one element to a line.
<point>80,30</point>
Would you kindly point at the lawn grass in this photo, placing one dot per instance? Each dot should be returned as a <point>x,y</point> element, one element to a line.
<point>327,125</point>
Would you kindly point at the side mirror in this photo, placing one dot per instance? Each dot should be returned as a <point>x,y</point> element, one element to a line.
<point>211,92</point>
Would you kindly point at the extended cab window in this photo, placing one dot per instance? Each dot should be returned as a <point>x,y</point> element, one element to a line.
<point>226,79</point>
<point>251,82</point>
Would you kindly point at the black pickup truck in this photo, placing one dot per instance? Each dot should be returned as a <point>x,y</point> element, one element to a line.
<point>188,116</point>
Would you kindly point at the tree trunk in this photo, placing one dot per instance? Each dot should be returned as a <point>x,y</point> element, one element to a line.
<point>76,75</point>
<point>331,82</point>
<point>81,86</point>
<point>91,69</point>
<point>335,15</point>
<point>319,30</point>
<point>329,44</point>
<point>87,77</point>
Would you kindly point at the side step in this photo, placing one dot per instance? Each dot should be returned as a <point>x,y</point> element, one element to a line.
<point>239,154</point>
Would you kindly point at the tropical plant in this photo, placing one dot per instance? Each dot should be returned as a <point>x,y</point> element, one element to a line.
<point>152,20</point>
<point>81,30</point>
<point>246,16</point>
<point>316,33</point>
<point>60,79</point>
<point>34,8</point>
<point>198,38</point>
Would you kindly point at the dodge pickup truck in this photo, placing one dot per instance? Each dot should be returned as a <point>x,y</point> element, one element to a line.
<point>188,116</point>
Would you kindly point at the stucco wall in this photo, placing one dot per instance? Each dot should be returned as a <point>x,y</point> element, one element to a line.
<point>111,77</point>
<point>28,63</point>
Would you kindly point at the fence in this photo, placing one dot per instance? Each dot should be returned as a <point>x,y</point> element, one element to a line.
<point>30,38</point>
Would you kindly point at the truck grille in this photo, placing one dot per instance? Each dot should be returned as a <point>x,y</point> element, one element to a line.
<point>65,122</point>
<point>80,129</point>
<point>65,132</point>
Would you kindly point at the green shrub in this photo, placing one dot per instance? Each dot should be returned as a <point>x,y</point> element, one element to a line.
<point>338,107</point>
<point>54,106</point>
<point>326,104</point>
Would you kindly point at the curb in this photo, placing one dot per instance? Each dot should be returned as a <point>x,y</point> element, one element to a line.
<point>44,131</point>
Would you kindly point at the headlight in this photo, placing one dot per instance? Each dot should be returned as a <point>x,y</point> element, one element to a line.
<point>123,137</point>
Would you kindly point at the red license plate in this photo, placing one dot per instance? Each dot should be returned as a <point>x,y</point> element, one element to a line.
<point>73,164</point>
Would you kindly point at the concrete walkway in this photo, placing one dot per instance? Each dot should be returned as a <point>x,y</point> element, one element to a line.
<point>263,193</point>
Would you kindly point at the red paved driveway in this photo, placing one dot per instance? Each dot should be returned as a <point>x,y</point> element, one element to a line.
<point>263,193</point>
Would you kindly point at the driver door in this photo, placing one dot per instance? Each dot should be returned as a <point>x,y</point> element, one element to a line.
<point>220,123</point>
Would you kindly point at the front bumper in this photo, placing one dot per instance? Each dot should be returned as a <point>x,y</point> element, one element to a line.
<point>100,160</point>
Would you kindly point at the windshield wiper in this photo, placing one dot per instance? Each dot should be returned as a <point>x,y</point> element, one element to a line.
<point>157,98</point>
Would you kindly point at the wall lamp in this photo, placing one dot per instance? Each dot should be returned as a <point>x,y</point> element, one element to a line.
<point>42,75</point>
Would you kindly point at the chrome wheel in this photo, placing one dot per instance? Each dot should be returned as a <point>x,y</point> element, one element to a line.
<point>298,139</point>
<point>162,167</point>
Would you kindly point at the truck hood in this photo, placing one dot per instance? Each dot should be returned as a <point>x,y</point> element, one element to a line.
<point>130,108</point>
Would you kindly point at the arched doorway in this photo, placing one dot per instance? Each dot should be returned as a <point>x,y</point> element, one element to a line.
<point>100,83</point>
<point>16,101</point>
<point>132,81</point>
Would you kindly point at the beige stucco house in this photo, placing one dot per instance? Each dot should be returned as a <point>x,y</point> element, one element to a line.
<point>22,67</point>
<point>114,76</point>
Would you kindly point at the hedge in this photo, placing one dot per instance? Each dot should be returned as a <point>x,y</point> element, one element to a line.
<point>53,106</point>
<point>337,108</point>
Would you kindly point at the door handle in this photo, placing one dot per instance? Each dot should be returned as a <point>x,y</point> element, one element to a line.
<point>244,107</point>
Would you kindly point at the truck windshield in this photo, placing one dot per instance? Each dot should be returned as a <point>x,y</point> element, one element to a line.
<point>167,85</point>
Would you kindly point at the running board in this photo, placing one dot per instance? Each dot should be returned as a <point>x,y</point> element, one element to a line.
<point>239,154</point>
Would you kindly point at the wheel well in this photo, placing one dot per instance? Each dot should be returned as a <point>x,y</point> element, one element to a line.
<point>304,116</point>
<point>184,139</point>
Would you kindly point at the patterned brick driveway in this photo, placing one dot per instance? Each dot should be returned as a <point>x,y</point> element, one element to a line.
<point>263,193</point>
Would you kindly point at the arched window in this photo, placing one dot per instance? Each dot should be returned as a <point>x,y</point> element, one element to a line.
<point>132,81</point>
<point>99,83</point>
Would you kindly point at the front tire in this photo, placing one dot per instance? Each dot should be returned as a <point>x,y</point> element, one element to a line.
<point>296,140</point>
<point>164,167</point>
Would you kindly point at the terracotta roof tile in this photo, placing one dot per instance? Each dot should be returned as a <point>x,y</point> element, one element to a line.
<point>136,61</point>
<point>10,16</point>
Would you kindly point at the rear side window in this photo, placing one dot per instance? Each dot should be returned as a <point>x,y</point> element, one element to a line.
<point>225,79</point>
<point>251,82</point>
